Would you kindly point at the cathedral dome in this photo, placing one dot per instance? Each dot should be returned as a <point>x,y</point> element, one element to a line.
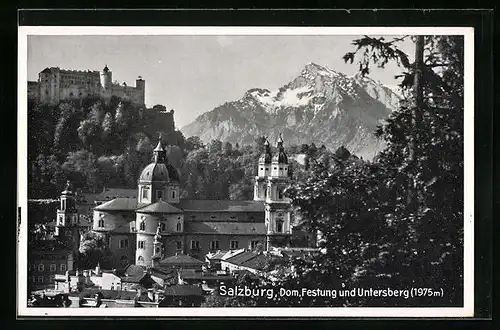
<point>159,170</point>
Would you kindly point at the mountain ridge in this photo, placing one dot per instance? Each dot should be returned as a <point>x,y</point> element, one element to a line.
<point>319,105</point>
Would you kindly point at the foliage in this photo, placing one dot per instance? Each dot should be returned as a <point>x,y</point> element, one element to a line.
<point>93,250</point>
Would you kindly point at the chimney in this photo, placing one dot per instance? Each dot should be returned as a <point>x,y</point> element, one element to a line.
<point>151,295</point>
<point>98,269</point>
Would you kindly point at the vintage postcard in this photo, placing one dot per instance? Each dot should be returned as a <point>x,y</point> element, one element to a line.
<point>245,171</point>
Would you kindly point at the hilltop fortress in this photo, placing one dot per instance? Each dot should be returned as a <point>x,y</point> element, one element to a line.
<point>55,84</point>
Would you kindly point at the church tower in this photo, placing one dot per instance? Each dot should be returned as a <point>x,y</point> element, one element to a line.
<point>278,207</point>
<point>67,223</point>
<point>264,170</point>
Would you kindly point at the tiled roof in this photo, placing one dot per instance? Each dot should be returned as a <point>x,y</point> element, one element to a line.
<point>180,259</point>
<point>261,261</point>
<point>221,205</point>
<point>191,274</point>
<point>119,204</point>
<point>112,193</point>
<point>159,207</point>
<point>239,259</point>
<point>183,290</point>
<point>113,294</point>
<point>230,228</point>
<point>217,255</point>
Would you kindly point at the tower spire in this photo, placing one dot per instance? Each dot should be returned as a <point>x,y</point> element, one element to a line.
<point>159,152</point>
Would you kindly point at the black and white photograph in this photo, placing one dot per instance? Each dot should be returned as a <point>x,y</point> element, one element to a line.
<point>246,171</point>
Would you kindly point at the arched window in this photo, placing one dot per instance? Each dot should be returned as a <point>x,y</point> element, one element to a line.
<point>101,223</point>
<point>140,260</point>
<point>162,226</point>
<point>142,226</point>
<point>173,194</point>
<point>280,193</point>
<point>279,226</point>
<point>179,226</point>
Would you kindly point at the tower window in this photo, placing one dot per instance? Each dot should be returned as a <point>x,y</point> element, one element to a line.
<point>162,226</point>
<point>275,168</point>
<point>179,226</point>
<point>140,244</point>
<point>140,260</point>
<point>173,194</point>
<point>178,245</point>
<point>214,245</point>
<point>280,193</point>
<point>101,223</point>
<point>159,194</point>
<point>261,168</point>
<point>213,217</point>
<point>234,245</point>
<point>145,191</point>
<point>41,267</point>
<point>142,226</point>
<point>279,226</point>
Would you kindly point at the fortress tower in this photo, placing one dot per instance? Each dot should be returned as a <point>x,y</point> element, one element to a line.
<point>106,82</point>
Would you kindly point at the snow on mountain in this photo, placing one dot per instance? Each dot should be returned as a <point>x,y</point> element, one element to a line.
<point>320,105</point>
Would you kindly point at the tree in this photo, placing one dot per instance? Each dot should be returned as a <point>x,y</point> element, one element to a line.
<point>93,250</point>
<point>193,142</point>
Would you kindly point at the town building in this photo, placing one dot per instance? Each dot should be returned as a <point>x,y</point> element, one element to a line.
<point>46,259</point>
<point>55,85</point>
<point>159,224</point>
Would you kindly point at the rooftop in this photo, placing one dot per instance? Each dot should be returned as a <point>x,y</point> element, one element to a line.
<point>221,205</point>
<point>159,207</point>
<point>180,259</point>
<point>242,257</point>
<point>119,204</point>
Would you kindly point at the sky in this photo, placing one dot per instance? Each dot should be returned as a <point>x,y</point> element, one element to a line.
<point>194,74</point>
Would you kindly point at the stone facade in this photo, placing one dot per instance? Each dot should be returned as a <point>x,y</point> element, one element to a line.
<point>55,84</point>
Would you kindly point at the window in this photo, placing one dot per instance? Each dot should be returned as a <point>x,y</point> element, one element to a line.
<point>262,169</point>
<point>173,194</point>
<point>234,245</point>
<point>280,193</point>
<point>279,226</point>
<point>140,244</point>
<point>142,225</point>
<point>52,267</point>
<point>178,245</point>
<point>280,214</point>
<point>213,217</point>
<point>52,278</point>
<point>41,267</point>
<point>179,226</point>
<point>33,279</point>
<point>145,192</point>
<point>214,245</point>
<point>232,217</point>
<point>162,226</point>
<point>40,279</point>
<point>159,194</point>
<point>63,267</point>
<point>281,168</point>
<point>254,243</point>
<point>140,260</point>
<point>123,243</point>
<point>274,168</point>
<point>101,223</point>
<point>195,245</point>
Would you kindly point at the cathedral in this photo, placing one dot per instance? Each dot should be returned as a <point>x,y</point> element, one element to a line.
<point>159,224</point>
